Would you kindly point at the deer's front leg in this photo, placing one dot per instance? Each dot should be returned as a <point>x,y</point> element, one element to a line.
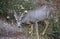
<point>47,24</point>
<point>31,29</point>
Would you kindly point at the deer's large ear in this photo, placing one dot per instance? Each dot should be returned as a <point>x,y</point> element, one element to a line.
<point>15,14</point>
<point>21,16</point>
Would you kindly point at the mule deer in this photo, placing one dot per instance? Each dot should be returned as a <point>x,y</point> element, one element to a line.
<point>34,16</point>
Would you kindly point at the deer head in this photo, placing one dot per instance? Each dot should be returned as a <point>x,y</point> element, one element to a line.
<point>18,18</point>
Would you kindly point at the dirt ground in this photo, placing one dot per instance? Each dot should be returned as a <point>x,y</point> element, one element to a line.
<point>9,31</point>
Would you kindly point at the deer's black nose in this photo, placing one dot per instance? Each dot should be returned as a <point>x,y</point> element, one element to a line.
<point>19,27</point>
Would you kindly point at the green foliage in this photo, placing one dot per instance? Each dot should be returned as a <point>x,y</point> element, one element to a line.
<point>23,5</point>
<point>3,7</point>
<point>6,6</point>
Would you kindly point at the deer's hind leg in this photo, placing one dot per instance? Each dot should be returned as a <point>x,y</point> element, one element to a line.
<point>47,25</point>
<point>37,31</point>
